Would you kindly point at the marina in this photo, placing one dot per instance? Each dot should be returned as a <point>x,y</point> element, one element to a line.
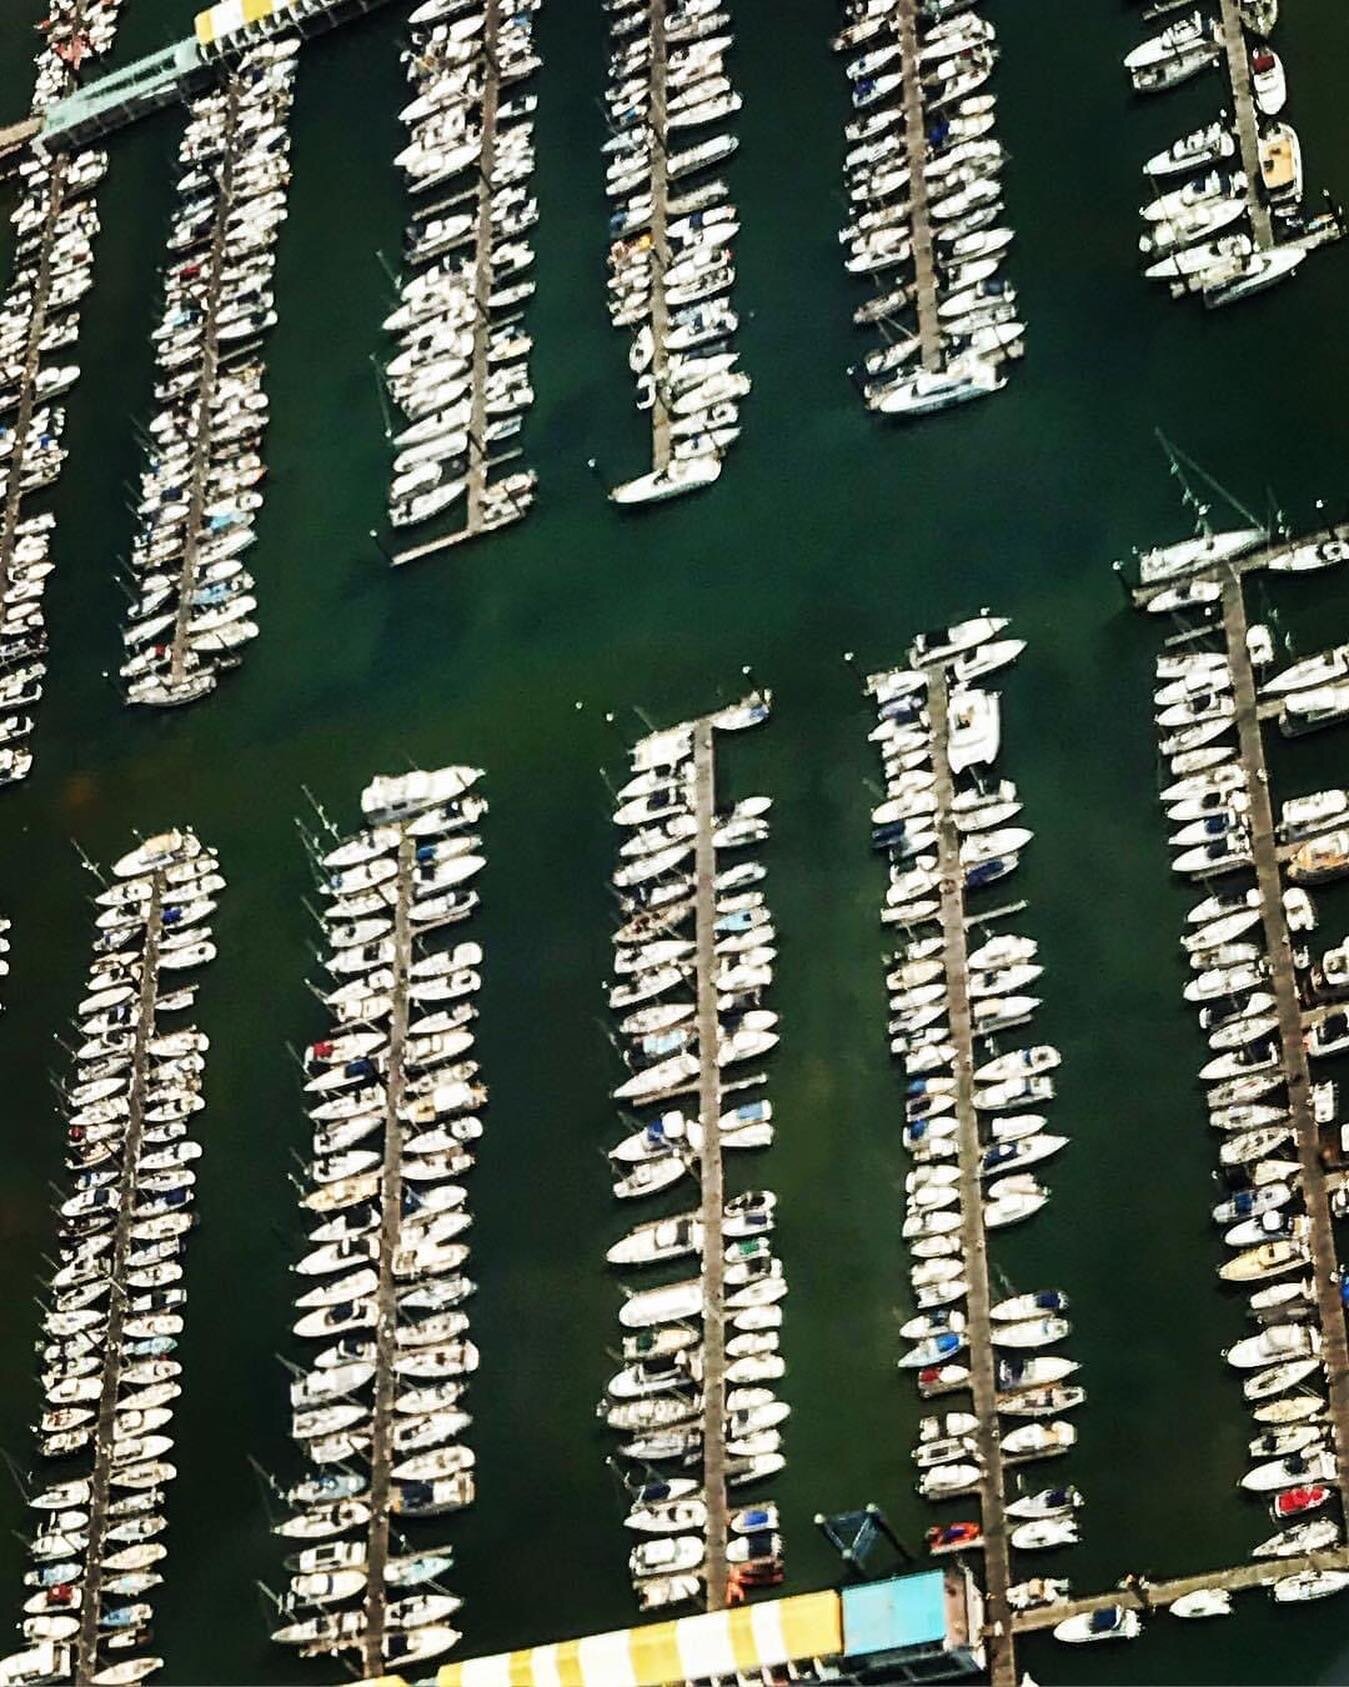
<point>109,1378</point>
<point>1228,220</point>
<point>379,1413</point>
<point>359,670</point>
<point>460,374</point>
<point>671,260</point>
<point>697,1382</point>
<point>922,179</point>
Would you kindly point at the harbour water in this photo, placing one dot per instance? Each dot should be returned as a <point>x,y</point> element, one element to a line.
<point>826,535</point>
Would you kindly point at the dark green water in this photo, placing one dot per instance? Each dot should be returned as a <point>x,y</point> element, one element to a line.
<point>825,535</point>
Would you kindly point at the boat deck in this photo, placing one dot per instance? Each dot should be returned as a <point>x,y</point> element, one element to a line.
<point>1158,1595</point>
<point>1248,132</point>
<point>386,1294</point>
<point>1278,946</point>
<point>711,1170</point>
<point>85,1648</point>
<point>983,1381</point>
<point>200,466</point>
<point>915,136</point>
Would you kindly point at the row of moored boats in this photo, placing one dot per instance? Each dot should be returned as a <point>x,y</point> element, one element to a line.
<point>1006,1131</point>
<point>458,375</point>
<point>688,1106</point>
<point>672,228</point>
<point>200,490</point>
<point>1248,1084</point>
<point>925,211</point>
<point>394,1098</point>
<point>1204,220</point>
<point>55,221</point>
<point>114,1315</point>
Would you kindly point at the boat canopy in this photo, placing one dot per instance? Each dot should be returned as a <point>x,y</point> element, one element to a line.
<point>719,1643</point>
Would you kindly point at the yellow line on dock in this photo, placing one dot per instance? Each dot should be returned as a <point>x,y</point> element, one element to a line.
<point>86,1641</point>
<point>915,135</point>
<point>1248,132</point>
<point>983,1380</point>
<point>1160,1594</point>
<point>386,1294</point>
<point>1278,947</point>
<point>713,1183</point>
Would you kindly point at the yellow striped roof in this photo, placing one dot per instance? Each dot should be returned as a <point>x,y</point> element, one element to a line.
<point>809,1625</point>
<point>232,15</point>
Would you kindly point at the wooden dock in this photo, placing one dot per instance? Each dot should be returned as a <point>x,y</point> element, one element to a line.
<point>983,1379</point>
<point>1279,949</point>
<point>86,1641</point>
<point>713,1182</point>
<point>14,137</point>
<point>386,1294</point>
<point>1158,1595</point>
<point>200,465</point>
<point>1248,133</point>
<point>1141,595</point>
<point>915,137</point>
<point>661,449</point>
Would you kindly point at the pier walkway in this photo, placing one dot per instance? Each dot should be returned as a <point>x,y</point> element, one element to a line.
<point>1158,1595</point>
<point>86,1641</point>
<point>915,136</point>
<point>200,466</point>
<point>478,464</point>
<point>713,1182</point>
<point>1248,134</point>
<point>386,1294</point>
<point>1278,947</point>
<point>983,1378</point>
<point>1206,568</point>
<point>660,242</point>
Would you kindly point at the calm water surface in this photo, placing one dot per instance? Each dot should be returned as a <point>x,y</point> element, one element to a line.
<point>825,535</point>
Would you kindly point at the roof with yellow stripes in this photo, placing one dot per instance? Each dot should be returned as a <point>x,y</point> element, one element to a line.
<point>809,1625</point>
<point>231,16</point>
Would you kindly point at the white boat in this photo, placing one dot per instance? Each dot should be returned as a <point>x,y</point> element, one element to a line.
<point>1310,1584</point>
<point>1268,82</point>
<point>1205,551</point>
<point>1203,1602</point>
<point>1112,1622</point>
<point>1315,1535</point>
<point>1177,38</point>
<point>683,474</point>
<point>1202,146</point>
<point>1043,1534</point>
